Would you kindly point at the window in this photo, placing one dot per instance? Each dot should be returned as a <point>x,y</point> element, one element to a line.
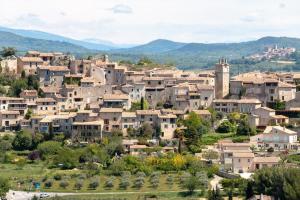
<point>271,98</point>
<point>248,160</point>
<point>115,119</point>
<point>159,82</point>
<point>282,98</point>
<point>166,125</point>
<point>272,91</point>
<point>106,121</point>
<point>205,98</point>
<point>239,160</point>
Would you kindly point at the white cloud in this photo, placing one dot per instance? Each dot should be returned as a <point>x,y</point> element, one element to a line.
<point>121,8</point>
<point>282,5</point>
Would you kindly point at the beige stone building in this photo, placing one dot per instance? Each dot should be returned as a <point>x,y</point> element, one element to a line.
<point>30,96</point>
<point>265,116</point>
<point>117,101</point>
<point>46,106</point>
<point>129,120</point>
<point>9,65</point>
<point>10,120</point>
<point>52,75</point>
<point>167,123</point>
<point>236,105</point>
<point>89,131</point>
<point>13,104</point>
<point>112,118</point>
<point>268,88</point>
<point>29,64</point>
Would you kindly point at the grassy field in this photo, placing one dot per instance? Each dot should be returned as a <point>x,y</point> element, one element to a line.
<point>136,196</point>
<point>39,173</point>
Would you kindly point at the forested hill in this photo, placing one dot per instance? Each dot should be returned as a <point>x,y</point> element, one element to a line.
<point>198,55</point>
<point>23,44</point>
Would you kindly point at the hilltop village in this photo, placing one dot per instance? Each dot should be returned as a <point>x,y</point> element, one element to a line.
<point>241,123</point>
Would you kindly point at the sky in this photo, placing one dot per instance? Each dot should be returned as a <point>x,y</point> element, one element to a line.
<point>141,21</point>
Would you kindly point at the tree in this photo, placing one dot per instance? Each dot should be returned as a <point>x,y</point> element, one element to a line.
<point>170,180</point>
<point>145,61</point>
<point>271,181</point>
<point>17,87</point>
<point>48,184</point>
<point>110,182</point>
<point>141,105</point>
<point>279,105</point>
<point>49,148</point>
<point>8,51</point>
<point>245,129</point>
<point>195,128</point>
<point>2,90</point>
<point>124,183</point>
<point>146,130</point>
<point>210,155</point>
<point>33,82</point>
<point>78,184</point>
<point>249,190</point>
<point>154,179</point>
<point>28,114</point>
<point>4,187</point>
<point>37,138</point>
<point>225,127</point>
<point>179,133</point>
<point>22,141</point>
<point>214,194</point>
<point>5,145</point>
<point>116,132</point>
<point>63,184</point>
<point>191,184</point>
<point>23,74</point>
<point>66,159</point>
<point>94,183</point>
<point>139,182</point>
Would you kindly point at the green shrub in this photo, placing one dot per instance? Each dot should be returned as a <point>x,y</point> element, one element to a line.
<point>57,177</point>
<point>48,184</point>
<point>63,184</point>
<point>78,184</point>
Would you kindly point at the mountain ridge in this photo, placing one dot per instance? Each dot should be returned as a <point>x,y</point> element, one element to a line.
<point>54,37</point>
<point>23,44</point>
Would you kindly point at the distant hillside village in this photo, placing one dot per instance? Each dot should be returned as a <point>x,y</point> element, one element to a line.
<point>273,53</point>
<point>87,100</point>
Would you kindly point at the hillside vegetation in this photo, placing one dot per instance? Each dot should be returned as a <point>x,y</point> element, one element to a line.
<point>23,44</point>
